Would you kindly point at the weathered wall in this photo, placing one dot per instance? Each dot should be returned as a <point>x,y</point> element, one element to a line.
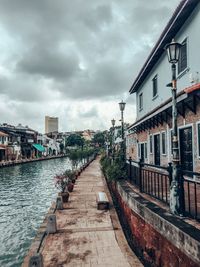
<point>162,239</point>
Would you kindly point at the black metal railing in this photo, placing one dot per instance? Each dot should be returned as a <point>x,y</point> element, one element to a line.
<point>149,179</point>
<point>191,184</point>
<point>155,181</point>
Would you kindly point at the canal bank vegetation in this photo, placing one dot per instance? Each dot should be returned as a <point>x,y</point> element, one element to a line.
<point>65,181</point>
<point>113,167</point>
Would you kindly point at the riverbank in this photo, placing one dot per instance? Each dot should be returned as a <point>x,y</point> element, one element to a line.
<point>23,161</point>
<point>85,236</point>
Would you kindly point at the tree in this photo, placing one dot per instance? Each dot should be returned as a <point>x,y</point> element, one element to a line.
<point>74,140</point>
<point>61,147</point>
<point>99,139</point>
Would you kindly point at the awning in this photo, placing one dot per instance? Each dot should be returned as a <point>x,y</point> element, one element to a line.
<point>39,147</point>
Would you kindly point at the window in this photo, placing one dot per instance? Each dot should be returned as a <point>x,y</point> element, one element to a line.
<point>141,101</point>
<point>182,63</point>
<point>163,137</point>
<point>155,86</point>
<point>151,144</point>
<point>145,150</point>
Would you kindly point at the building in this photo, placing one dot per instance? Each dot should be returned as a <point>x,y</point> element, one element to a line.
<point>149,137</point>
<point>88,135</point>
<point>3,146</point>
<point>51,124</point>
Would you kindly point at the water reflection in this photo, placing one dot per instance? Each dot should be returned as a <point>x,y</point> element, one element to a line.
<point>26,192</point>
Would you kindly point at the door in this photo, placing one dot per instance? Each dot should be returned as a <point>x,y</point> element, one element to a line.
<point>157,149</point>
<point>142,152</point>
<point>186,149</point>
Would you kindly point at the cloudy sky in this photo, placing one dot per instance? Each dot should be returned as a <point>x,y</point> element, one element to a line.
<point>75,60</point>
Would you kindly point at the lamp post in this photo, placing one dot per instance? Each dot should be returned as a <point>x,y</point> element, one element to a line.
<point>113,137</point>
<point>173,51</point>
<point>122,107</point>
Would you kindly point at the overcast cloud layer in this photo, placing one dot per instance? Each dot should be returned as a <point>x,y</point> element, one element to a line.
<point>74,59</point>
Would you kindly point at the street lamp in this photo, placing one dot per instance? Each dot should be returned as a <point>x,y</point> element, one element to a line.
<point>173,51</point>
<point>113,138</point>
<point>122,107</point>
<point>113,122</point>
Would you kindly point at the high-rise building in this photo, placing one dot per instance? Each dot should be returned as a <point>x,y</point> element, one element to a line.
<point>51,124</point>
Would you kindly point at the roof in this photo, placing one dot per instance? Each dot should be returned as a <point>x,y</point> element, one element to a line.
<point>181,14</point>
<point>3,134</point>
<point>39,147</point>
<point>181,96</point>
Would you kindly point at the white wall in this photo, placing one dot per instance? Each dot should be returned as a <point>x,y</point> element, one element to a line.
<point>190,30</point>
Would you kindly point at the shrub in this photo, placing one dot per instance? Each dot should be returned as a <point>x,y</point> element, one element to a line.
<point>113,170</point>
<point>61,181</point>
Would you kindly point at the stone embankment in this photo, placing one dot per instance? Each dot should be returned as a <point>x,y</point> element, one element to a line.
<point>22,161</point>
<point>85,236</point>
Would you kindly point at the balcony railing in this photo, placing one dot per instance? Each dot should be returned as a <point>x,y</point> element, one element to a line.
<point>155,181</point>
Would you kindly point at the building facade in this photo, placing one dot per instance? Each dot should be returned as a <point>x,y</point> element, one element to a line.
<point>51,124</point>
<point>149,138</point>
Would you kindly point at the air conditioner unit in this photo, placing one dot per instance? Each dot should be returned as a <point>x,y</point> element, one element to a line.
<point>194,77</point>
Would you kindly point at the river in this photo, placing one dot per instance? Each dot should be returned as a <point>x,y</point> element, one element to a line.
<point>26,193</point>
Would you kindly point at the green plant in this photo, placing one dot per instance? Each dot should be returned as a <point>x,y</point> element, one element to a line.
<point>70,173</point>
<point>113,169</point>
<point>114,172</point>
<point>61,181</point>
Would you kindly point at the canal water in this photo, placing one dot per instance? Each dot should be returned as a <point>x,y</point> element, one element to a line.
<point>26,193</point>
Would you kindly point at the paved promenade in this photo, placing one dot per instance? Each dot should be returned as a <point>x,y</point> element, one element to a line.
<point>86,236</point>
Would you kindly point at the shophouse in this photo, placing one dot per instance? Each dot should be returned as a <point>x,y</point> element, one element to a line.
<point>149,137</point>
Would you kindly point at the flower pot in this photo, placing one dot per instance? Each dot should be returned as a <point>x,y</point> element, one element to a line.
<point>65,196</point>
<point>73,180</point>
<point>70,187</point>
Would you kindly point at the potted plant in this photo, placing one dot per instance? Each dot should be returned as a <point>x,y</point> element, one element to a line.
<point>61,182</point>
<point>71,175</point>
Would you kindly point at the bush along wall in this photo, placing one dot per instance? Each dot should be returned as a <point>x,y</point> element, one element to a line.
<point>113,169</point>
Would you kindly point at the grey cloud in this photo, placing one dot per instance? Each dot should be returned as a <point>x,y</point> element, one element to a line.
<point>92,112</point>
<point>49,63</point>
<point>76,50</point>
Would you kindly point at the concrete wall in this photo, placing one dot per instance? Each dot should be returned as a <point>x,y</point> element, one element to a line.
<point>190,30</point>
<point>160,238</point>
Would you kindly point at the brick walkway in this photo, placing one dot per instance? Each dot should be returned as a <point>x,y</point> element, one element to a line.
<point>87,236</point>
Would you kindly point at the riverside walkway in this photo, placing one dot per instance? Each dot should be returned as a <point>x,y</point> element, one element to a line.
<point>87,236</point>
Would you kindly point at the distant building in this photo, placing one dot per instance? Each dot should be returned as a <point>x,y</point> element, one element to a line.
<point>88,135</point>
<point>51,124</point>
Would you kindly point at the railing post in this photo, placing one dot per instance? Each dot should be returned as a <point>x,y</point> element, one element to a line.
<point>182,191</point>
<point>130,169</point>
<point>140,174</point>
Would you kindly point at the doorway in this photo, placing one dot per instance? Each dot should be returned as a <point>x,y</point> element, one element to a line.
<point>157,149</point>
<point>186,149</point>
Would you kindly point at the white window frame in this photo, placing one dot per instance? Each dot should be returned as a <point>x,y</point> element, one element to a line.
<point>151,144</point>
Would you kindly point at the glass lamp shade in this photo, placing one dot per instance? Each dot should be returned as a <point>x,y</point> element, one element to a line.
<point>122,105</point>
<point>113,122</point>
<point>173,51</point>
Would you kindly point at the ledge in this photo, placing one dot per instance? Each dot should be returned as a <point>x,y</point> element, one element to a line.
<point>182,235</point>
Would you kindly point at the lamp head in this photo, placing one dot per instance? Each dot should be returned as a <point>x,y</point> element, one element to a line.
<point>173,51</point>
<point>122,105</point>
<point>113,122</point>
